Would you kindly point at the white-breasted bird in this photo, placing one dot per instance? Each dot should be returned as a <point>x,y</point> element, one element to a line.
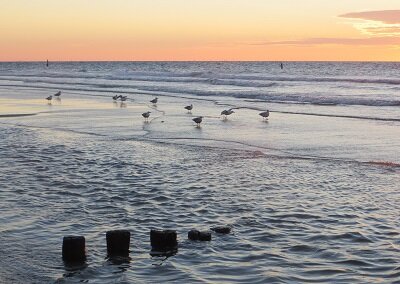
<point>49,98</point>
<point>154,101</point>
<point>189,108</point>
<point>226,112</point>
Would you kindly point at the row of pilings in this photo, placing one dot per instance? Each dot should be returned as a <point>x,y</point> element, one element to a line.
<point>163,243</point>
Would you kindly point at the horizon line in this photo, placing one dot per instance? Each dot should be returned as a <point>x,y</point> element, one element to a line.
<point>70,61</point>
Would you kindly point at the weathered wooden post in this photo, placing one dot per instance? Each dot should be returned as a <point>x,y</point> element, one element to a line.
<point>163,242</point>
<point>221,229</point>
<point>118,242</point>
<point>73,249</point>
<point>196,235</point>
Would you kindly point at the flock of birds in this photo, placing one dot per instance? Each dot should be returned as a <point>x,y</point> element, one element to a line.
<point>56,95</point>
<point>198,120</point>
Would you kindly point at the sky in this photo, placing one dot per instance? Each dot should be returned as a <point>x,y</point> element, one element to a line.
<point>267,30</point>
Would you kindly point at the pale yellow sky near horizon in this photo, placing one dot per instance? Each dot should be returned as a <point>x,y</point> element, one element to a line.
<point>198,30</point>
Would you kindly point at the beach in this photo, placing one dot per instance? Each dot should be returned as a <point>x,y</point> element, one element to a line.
<point>311,193</point>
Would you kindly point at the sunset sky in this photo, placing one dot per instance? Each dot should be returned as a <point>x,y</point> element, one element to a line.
<point>199,30</point>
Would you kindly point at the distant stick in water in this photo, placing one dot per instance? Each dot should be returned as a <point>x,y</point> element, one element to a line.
<point>47,63</point>
<point>281,65</point>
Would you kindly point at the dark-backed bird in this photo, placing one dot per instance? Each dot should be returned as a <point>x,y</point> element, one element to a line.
<point>146,115</point>
<point>49,98</point>
<point>264,114</point>
<point>116,97</point>
<point>57,94</point>
<point>123,98</point>
<point>227,112</point>
<point>189,108</point>
<point>154,101</point>
<point>198,120</point>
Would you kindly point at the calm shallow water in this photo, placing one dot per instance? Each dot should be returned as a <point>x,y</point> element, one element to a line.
<point>300,192</point>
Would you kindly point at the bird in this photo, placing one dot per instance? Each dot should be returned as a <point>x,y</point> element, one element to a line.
<point>189,108</point>
<point>227,112</point>
<point>146,115</point>
<point>57,94</point>
<point>116,97</point>
<point>154,101</point>
<point>123,98</point>
<point>198,120</point>
<point>264,114</point>
<point>49,98</point>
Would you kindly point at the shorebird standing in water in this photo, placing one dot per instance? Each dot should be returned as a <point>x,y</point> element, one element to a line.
<point>49,98</point>
<point>146,115</point>
<point>154,101</point>
<point>198,120</point>
<point>116,97</point>
<point>264,114</point>
<point>58,94</point>
<point>189,108</point>
<point>123,98</point>
<point>226,112</point>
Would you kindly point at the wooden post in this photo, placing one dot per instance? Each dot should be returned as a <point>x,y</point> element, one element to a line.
<point>118,242</point>
<point>73,249</point>
<point>163,240</point>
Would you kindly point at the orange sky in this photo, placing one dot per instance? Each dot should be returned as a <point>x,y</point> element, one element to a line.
<point>199,30</point>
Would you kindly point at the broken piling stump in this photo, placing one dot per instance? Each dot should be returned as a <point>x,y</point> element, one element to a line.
<point>221,229</point>
<point>118,242</point>
<point>196,235</point>
<point>163,242</point>
<point>73,249</point>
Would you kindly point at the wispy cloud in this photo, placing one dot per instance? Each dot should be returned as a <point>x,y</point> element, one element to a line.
<point>386,16</point>
<point>380,28</point>
<point>376,23</point>
<point>338,41</point>
<point>383,31</point>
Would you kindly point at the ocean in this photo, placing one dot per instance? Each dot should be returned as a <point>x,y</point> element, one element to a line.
<point>312,193</point>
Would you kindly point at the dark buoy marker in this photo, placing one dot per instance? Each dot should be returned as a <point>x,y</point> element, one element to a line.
<point>73,249</point>
<point>118,242</point>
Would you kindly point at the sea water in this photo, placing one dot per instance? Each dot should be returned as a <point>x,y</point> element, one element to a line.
<point>312,193</point>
